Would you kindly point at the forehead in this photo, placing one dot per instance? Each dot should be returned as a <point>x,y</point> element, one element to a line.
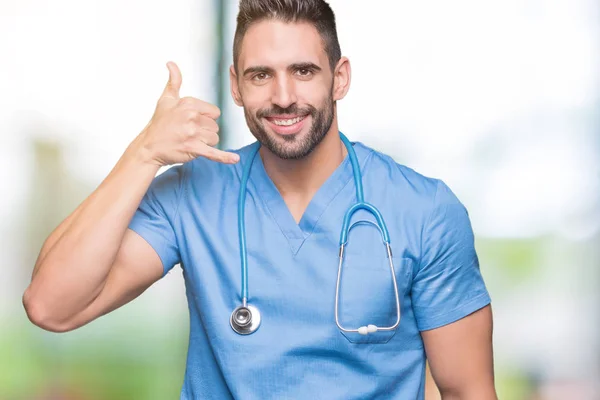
<point>276,43</point>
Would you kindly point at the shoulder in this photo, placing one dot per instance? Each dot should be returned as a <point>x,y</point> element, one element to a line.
<point>401,180</point>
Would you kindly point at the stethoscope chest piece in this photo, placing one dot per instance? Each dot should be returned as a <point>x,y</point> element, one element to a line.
<point>245,319</point>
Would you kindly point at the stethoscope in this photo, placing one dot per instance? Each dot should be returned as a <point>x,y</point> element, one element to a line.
<point>245,319</point>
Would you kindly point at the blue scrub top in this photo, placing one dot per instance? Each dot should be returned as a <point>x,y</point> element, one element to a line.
<point>189,216</point>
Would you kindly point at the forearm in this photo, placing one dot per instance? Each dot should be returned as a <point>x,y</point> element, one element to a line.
<point>76,259</point>
<point>53,238</point>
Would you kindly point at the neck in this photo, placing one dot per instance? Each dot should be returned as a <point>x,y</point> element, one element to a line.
<point>302,178</point>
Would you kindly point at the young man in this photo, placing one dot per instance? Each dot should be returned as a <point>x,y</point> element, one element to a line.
<point>287,74</point>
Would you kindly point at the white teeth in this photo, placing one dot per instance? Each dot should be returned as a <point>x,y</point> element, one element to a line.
<point>287,122</point>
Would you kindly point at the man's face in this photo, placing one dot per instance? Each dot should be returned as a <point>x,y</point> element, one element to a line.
<point>284,82</point>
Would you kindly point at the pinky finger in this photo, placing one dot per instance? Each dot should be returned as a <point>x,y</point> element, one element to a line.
<point>217,155</point>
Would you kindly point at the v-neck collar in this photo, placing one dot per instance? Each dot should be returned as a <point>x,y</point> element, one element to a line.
<point>297,233</point>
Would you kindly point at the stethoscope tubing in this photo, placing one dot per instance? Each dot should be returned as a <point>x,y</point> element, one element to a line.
<point>245,319</point>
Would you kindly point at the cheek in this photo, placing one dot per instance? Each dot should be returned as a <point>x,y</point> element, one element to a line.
<point>315,91</point>
<point>253,91</point>
<point>254,98</point>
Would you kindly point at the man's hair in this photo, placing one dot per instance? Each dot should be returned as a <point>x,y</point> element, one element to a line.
<point>316,12</point>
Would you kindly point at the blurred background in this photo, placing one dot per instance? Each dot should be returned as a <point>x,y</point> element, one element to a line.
<point>500,99</point>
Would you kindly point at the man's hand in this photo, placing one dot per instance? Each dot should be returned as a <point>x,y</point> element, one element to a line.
<point>92,263</point>
<point>182,129</point>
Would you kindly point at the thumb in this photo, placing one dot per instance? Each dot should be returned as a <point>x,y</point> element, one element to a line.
<point>174,83</point>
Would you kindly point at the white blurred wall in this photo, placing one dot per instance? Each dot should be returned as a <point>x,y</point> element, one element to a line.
<point>86,75</point>
<point>499,99</point>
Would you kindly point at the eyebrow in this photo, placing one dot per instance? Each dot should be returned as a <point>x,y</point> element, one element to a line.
<point>258,69</point>
<point>268,70</point>
<point>304,65</point>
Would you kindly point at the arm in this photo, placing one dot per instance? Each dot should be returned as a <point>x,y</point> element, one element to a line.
<point>460,357</point>
<point>451,303</point>
<point>77,259</point>
<point>92,263</point>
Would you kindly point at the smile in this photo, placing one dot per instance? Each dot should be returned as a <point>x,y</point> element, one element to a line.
<point>287,122</point>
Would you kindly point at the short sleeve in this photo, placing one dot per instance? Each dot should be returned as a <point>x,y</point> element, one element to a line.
<point>448,284</point>
<point>155,216</point>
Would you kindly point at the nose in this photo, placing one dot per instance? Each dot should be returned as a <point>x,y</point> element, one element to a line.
<point>284,92</point>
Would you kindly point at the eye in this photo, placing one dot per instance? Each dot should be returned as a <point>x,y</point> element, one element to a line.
<point>304,72</point>
<point>261,76</point>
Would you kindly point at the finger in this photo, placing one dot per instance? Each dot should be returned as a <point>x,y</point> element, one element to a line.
<point>217,155</point>
<point>205,108</point>
<point>207,123</point>
<point>174,83</point>
<point>209,137</point>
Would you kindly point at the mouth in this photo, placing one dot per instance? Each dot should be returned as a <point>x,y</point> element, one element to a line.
<point>286,124</point>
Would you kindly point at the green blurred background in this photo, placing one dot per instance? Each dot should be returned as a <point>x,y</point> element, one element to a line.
<point>499,99</point>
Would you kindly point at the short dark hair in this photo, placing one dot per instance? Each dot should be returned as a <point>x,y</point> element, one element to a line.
<point>316,12</point>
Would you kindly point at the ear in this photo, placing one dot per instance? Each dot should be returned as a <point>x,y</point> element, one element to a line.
<point>235,89</point>
<point>341,79</point>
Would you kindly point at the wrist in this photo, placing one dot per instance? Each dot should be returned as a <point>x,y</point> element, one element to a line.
<point>138,156</point>
<point>140,152</point>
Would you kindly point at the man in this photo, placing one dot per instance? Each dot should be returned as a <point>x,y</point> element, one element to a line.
<point>287,74</point>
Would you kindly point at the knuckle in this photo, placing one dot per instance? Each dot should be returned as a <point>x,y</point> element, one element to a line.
<point>210,138</point>
<point>209,124</point>
<point>192,115</point>
<point>190,129</point>
<point>187,101</point>
<point>210,110</point>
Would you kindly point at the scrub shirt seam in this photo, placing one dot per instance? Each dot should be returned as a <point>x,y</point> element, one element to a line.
<point>367,159</point>
<point>262,199</point>
<point>265,203</point>
<point>434,320</point>
<point>426,224</point>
